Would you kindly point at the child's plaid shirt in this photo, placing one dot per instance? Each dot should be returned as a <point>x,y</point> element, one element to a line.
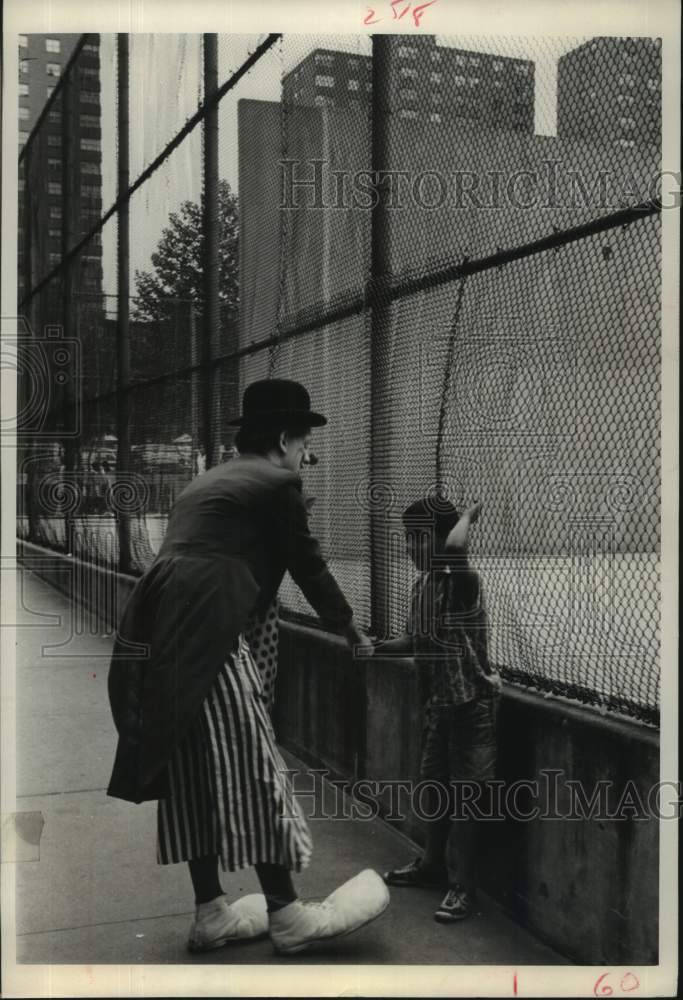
<point>448,626</point>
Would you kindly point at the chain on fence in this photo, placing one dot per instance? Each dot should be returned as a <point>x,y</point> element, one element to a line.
<point>484,323</point>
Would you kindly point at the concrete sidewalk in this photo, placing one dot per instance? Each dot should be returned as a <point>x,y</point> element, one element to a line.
<point>90,891</point>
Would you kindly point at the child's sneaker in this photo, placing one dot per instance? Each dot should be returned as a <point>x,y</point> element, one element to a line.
<point>457,904</point>
<point>415,874</point>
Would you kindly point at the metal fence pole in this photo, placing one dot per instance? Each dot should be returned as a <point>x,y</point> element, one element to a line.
<point>380,266</point>
<point>210,258</point>
<point>71,402</point>
<point>24,387</point>
<point>123,301</point>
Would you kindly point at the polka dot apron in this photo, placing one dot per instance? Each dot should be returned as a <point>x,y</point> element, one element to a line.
<point>262,633</point>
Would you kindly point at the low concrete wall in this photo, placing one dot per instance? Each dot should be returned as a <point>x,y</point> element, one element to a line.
<point>588,887</point>
<point>97,587</point>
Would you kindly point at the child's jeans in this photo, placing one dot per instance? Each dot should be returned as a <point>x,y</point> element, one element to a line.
<point>459,747</point>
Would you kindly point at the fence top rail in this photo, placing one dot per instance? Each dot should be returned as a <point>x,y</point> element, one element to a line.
<point>202,111</point>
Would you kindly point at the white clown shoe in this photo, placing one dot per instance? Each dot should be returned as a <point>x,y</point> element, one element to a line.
<point>218,923</point>
<point>354,904</point>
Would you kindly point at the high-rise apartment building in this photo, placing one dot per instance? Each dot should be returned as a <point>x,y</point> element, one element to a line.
<point>428,81</point>
<point>42,61</point>
<point>610,90</point>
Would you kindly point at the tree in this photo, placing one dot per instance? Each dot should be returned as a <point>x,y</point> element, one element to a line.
<point>177,263</point>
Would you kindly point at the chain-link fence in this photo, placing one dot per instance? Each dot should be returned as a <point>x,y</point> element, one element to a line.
<point>453,242</point>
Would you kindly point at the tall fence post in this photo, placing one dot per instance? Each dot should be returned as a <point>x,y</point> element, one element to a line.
<point>71,403</point>
<point>380,268</point>
<point>123,304</point>
<point>28,477</point>
<point>210,255</point>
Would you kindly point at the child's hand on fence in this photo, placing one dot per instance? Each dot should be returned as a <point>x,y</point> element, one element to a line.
<point>473,512</point>
<point>458,536</point>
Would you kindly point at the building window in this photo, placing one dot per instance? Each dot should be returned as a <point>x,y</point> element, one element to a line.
<point>652,84</point>
<point>22,184</point>
<point>90,71</point>
<point>90,168</point>
<point>23,42</point>
<point>56,210</point>
<point>54,187</point>
<point>459,81</point>
<point>89,47</point>
<point>353,64</point>
<point>435,77</point>
<point>409,71</point>
<point>23,113</point>
<point>353,85</point>
<point>474,60</point>
<point>23,90</point>
<point>49,91</point>
<point>405,51</point>
<point>628,123</point>
<point>474,81</point>
<point>23,65</point>
<point>90,97</point>
<point>53,69</point>
<point>437,98</point>
<point>497,84</point>
<point>626,80</point>
<point>321,101</point>
<point>54,116</point>
<point>52,45</point>
<point>407,113</point>
<point>435,116</point>
<point>627,143</point>
<point>368,86</point>
<point>460,60</point>
<point>497,66</point>
<point>324,81</point>
<point>324,59</point>
<point>90,121</point>
<point>436,57</point>
<point>407,95</point>
<point>90,191</point>
<point>53,163</point>
<point>54,139</point>
<point>55,233</point>
<point>91,145</point>
<point>521,69</point>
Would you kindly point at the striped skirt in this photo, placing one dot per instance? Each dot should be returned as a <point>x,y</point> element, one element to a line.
<point>230,792</point>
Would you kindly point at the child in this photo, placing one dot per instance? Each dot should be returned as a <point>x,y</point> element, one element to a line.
<point>446,634</point>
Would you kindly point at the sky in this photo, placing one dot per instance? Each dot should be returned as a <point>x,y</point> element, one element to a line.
<point>166,90</point>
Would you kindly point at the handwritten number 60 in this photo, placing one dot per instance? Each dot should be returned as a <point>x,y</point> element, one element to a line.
<point>628,983</point>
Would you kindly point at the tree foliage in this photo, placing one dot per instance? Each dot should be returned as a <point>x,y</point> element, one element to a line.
<point>176,275</point>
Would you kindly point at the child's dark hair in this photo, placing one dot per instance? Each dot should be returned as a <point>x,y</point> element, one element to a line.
<point>425,514</point>
<point>261,440</point>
